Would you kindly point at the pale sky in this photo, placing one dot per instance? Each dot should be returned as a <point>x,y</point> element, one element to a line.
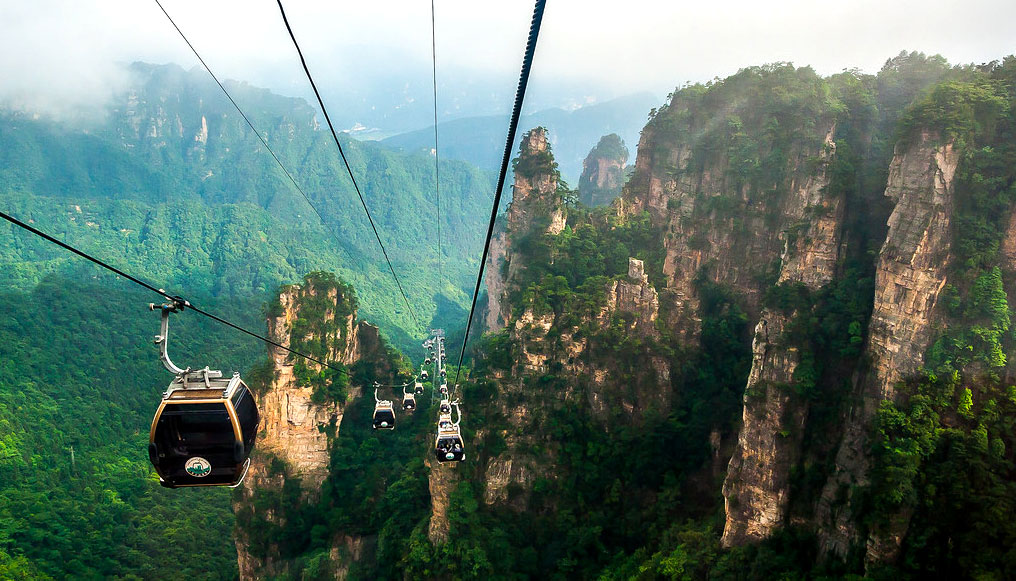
<point>59,53</point>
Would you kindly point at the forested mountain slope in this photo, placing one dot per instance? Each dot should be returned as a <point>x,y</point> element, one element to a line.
<point>173,183</point>
<point>78,385</point>
<point>784,352</point>
<point>171,186</point>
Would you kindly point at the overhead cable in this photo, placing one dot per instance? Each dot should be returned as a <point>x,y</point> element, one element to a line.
<point>437,170</point>
<point>342,154</point>
<point>520,94</point>
<point>251,125</point>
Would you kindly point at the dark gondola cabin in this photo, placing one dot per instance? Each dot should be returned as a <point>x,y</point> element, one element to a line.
<point>409,401</point>
<point>449,446</point>
<point>418,388</point>
<point>384,416</point>
<point>204,431</point>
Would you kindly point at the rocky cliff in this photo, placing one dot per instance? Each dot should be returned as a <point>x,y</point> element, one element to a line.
<point>747,332</point>
<point>911,273</point>
<point>300,412</point>
<point>549,338</point>
<point>536,208</point>
<point>729,193</point>
<point>756,489</point>
<point>603,171</point>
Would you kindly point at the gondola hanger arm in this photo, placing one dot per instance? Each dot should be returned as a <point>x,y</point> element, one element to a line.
<point>162,339</point>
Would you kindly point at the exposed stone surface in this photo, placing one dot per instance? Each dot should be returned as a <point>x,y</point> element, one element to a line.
<point>635,296</point>
<point>910,275</point>
<point>756,489</point>
<point>496,290</point>
<point>289,419</point>
<point>442,480</point>
<point>739,242</point>
<point>292,424</point>
<point>535,200</point>
<point>516,468</point>
<point>603,171</point>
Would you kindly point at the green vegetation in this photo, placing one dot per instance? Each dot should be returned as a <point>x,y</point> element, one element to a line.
<point>943,453</point>
<point>216,222</point>
<point>321,330</point>
<point>79,383</point>
<point>219,217</point>
<point>610,147</point>
<point>610,494</point>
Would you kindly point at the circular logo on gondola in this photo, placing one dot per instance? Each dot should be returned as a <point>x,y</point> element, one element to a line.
<point>198,467</point>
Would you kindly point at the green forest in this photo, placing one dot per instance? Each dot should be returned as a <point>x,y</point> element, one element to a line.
<point>613,494</point>
<point>220,225</point>
<point>220,218</point>
<point>636,500</point>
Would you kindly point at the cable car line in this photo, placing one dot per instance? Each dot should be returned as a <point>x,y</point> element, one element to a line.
<point>251,125</point>
<point>177,300</point>
<point>437,170</point>
<point>520,94</point>
<point>342,154</point>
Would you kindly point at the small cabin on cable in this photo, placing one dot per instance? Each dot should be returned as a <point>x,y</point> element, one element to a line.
<point>449,446</point>
<point>203,431</point>
<point>205,426</point>
<point>384,415</point>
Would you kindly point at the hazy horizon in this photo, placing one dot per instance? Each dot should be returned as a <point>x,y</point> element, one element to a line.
<point>372,60</point>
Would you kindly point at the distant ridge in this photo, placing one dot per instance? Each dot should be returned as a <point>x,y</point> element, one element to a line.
<point>572,133</point>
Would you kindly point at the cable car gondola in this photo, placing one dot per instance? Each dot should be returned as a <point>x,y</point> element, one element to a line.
<point>384,414</point>
<point>205,427</point>
<point>408,400</point>
<point>418,388</point>
<point>448,446</point>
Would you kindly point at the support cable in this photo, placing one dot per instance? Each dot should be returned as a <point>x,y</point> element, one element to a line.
<point>342,154</point>
<point>175,299</point>
<point>520,94</point>
<point>249,124</point>
<point>437,170</point>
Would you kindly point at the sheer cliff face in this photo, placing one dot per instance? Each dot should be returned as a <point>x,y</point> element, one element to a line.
<point>549,341</point>
<point>608,392</point>
<point>756,490</point>
<point>535,204</point>
<point>740,202</point>
<point>712,214</point>
<point>290,418</point>
<point>911,273</point>
<point>603,171</point>
<point>297,426</point>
